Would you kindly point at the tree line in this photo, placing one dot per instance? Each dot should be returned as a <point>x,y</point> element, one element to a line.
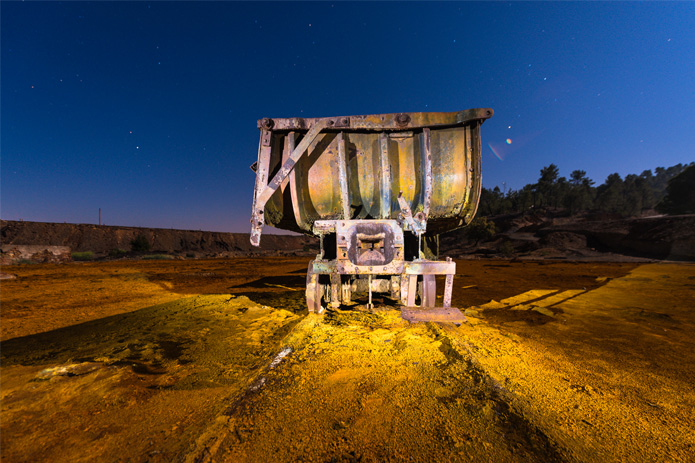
<point>669,190</point>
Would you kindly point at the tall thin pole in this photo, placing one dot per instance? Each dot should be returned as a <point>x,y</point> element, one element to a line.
<point>99,216</point>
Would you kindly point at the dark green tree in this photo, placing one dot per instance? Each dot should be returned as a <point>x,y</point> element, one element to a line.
<point>610,196</point>
<point>580,195</point>
<point>630,196</point>
<point>637,195</point>
<point>649,193</point>
<point>560,192</point>
<point>546,187</point>
<point>480,229</point>
<point>493,202</point>
<point>680,194</point>
<point>523,199</point>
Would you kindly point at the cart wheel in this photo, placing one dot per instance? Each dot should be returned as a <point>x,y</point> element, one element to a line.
<point>314,291</point>
<point>428,296</point>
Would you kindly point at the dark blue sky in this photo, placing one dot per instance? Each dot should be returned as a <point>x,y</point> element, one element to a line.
<point>148,110</point>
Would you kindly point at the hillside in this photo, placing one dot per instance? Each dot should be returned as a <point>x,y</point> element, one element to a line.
<point>101,240</point>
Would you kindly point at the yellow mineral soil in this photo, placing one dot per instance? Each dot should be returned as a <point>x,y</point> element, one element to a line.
<point>557,362</point>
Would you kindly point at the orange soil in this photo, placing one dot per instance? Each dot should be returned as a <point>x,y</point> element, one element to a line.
<point>167,360</point>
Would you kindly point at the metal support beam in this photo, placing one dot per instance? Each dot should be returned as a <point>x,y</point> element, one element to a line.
<point>335,290</point>
<point>468,166</point>
<point>427,159</point>
<point>346,293</point>
<point>262,171</point>
<point>448,286</point>
<point>429,291</point>
<point>430,267</point>
<point>342,177</point>
<point>385,176</point>
<point>412,290</point>
<point>297,209</point>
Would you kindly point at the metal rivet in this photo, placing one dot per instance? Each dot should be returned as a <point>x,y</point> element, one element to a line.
<point>267,123</point>
<point>402,119</point>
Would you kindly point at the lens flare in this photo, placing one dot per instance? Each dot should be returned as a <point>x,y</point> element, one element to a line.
<point>496,152</point>
<point>503,148</point>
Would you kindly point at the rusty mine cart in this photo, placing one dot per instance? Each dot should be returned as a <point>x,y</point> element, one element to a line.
<point>377,190</point>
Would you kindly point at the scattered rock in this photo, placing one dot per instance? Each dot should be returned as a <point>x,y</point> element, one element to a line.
<point>472,313</point>
<point>16,253</point>
<point>73,369</point>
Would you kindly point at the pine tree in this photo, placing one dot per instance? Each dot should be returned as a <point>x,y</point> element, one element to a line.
<point>680,194</point>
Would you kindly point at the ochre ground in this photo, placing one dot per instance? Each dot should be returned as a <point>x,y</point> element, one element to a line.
<point>217,360</point>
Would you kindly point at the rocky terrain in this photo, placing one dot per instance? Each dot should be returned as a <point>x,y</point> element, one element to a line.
<point>536,235</point>
<point>543,235</point>
<point>217,360</point>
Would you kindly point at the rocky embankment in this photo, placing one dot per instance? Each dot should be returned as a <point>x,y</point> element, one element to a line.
<point>542,236</point>
<point>104,240</point>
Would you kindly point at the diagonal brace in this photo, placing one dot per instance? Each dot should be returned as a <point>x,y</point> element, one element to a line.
<point>257,220</point>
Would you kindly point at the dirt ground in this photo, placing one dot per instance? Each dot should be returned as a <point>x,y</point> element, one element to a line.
<point>218,360</point>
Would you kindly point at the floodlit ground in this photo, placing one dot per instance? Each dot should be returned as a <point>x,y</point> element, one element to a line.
<point>217,360</point>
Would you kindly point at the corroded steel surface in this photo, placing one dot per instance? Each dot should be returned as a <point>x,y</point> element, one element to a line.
<point>356,167</point>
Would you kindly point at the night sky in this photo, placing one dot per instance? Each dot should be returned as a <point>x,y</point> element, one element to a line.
<point>148,110</point>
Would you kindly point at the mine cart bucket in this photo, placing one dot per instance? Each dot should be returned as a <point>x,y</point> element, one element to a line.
<point>354,167</point>
<point>375,189</point>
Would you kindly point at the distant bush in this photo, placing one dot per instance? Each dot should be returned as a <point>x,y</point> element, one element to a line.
<point>117,252</point>
<point>158,257</point>
<point>507,249</point>
<point>480,229</point>
<point>140,244</point>
<point>81,256</point>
